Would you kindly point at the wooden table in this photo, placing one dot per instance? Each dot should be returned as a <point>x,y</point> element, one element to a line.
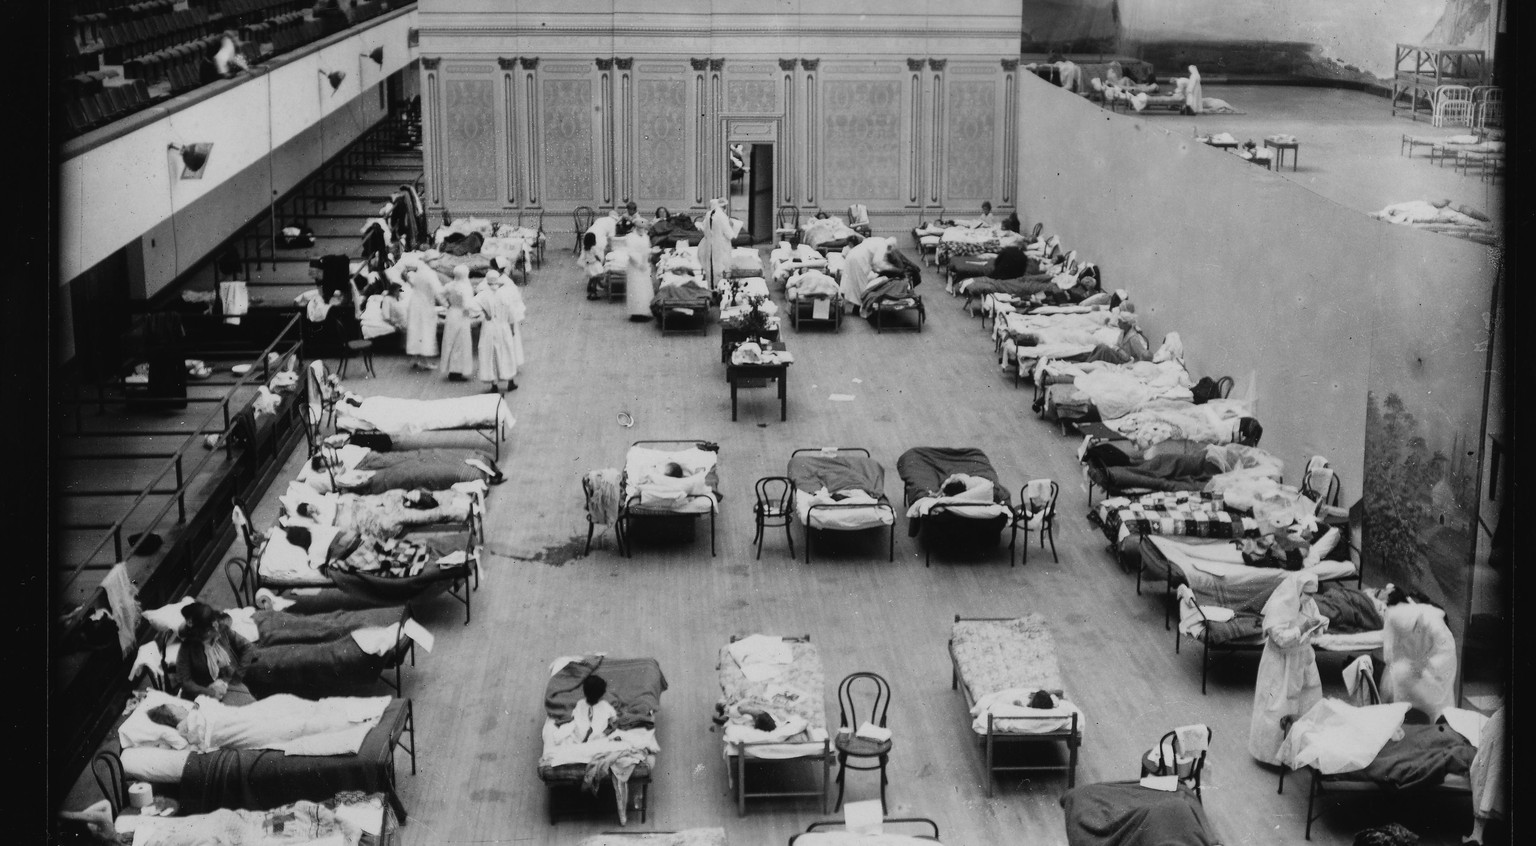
<point>778,371</point>
<point>1280,147</point>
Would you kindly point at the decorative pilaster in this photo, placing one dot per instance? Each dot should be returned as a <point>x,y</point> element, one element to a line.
<point>530,129</point>
<point>915,64</point>
<point>625,63</point>
<point>431,62</point>
<point>699,64</point>
<point>936,139</point>
<point>625,121</point>
<point>1010,65</point>
<point>432,128</point>
<point>786,172</point>
<point>716,157</point>
<point>604,64</point>
<point>701,132</point>
<point>786,64</point>
<point>717,65</point>
<point>1010,131</point>
<point>606,138</point>
<point>508,65</point>
<point>812,131</point>
<point>915,132</point>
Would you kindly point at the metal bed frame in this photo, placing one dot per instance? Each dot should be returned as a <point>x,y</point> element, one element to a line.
<point>1072,736</point>
<point>492,433</point>
<point>884,502</point>
<point>740,761</point>
<point>630,507</point>
<point>835,824</point>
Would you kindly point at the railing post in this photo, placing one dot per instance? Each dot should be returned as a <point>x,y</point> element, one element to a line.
<point>117,541</point>
<point>181,494</point>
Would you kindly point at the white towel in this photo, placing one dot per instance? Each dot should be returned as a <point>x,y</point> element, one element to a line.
<point>243,622</point>
<point>1192,739</point>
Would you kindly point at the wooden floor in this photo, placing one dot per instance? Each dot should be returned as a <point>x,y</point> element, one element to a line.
<point>478,694</point>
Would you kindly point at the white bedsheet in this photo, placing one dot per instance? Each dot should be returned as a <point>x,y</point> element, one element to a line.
<point>845,517</point>
<point>1215,569</point>
<point>557,754</point>
<point>397,416</point>
<point>286,564</point>
<point>646,463</point>
<point>154,765</point>
<point>1010,703</point>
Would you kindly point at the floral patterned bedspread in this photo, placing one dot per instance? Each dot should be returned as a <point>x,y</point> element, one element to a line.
<point>996,655</point>
<point>797,691</point>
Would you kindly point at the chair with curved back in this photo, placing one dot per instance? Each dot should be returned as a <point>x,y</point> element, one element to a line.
<point>1224,386</point>
<point>876,693</point>
<point>582,217</point>
<point>353,344</point>
<point>539,240</point>
<point>1034,234</point>
<point>1171,757</point>
<point>107,768</point>
<point>774,507</point>
<point>1036,512</point>
<point>786,225</point>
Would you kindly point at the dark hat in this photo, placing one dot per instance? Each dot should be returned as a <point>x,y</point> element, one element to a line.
<point>150,546</point>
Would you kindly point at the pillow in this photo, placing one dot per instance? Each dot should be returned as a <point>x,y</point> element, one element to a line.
<point>168,618</point>
<point>140,730</point>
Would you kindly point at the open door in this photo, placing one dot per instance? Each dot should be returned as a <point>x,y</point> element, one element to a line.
<point>760,205</point>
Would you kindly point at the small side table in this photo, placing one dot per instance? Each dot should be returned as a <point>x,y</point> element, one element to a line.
<point>1280,147</point>
<point>778,371</point>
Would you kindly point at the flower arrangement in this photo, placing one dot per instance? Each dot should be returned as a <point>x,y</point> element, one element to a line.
<point>755,322</point>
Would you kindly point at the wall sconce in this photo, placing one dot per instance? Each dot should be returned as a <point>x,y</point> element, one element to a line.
<point>377,55</point>
<point>194,158</point>
<point>334,78</point>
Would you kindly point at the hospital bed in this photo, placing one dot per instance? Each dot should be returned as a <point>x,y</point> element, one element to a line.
<point>681,301</point>
<point>828,234</point>
<point>369,812</point>
<point>642,501</point>
<point>366,569</point>
<point>995,660</point>
<point>793,692</point>
<point>835,833</point>
<point>1182,512</point>
<point>1124,813</point>
<point>855,493</point>
<point>813,297</point>
<point>258,779</point>
<point>1354,625</point>
<point>360,470</point>
<point>1024,339</point>
<point>383,515</point>
<point>1088,391</point>
<point>635,686</point>
<point>952,521</point>
<point>686,837</point>
<point>1215,571</point>
<point>487,415</point>
<point>1419,761</point>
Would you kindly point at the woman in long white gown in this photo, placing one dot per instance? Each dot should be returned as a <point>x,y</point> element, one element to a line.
<point>1420,655</point>
<point>1288,683</point>
<point>458,359</point>
<point>637,270</point>
<point>421,313</point>
<point>715,249</point>
<point>501,304</point>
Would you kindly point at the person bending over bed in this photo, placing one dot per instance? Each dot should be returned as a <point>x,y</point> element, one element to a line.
<point>1420,655</point>
<point>213,656</point>
<point>1130,347</point>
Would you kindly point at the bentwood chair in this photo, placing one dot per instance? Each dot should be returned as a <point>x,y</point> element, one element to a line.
<point>582,217</point>
<point>1169,757</point>
<point>786,225</point>
<point>1037,512</point>
<point>874,694</point>
<point>774,506</point>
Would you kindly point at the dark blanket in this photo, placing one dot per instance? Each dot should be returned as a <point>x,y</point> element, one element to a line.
<point>461,244</point>
<point>923,471</point>
<point>884,288</point>
<point>634,689</point>
<point>812,472</point>
<point>1165,472</point>
<point>680,226</point>
<point>314,669</point>
<point>1021,288</point>
<point>1124,813</point>
<point>681,296</point>
<point>1349,611</point>
<point>432,469</point>
<point>966,267</point>
<point>1423,758</point>
<point>278,627</point>
<point>259,779</point>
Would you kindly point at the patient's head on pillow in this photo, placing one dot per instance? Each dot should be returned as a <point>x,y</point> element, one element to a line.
<point>673,469</point>
<point>298,536</point>
<point>167,715</point>
<point>305,510</point>
<point>321,462</point>
<point>593,687</point>
<point>953,486</point>
<point>1042,699</point>
<point>764,722</point>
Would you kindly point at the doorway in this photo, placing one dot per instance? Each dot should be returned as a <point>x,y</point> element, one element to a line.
<point>752,187</point>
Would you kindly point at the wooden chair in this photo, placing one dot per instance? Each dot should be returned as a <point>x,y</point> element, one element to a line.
<point>786,225</point>
<point>1224,386</point>
<point>354,346</point>
<point>1167,758</point>
<point>539,240</point>
<point>107,768</point>
<point>582,217</point>
<point>847,742</point>
<point>1037,511</point>
<point>774,507</point>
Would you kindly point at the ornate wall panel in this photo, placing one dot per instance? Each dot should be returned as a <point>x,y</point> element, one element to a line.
<point>972,141</point>
<point>469,117</point>
<point>752,96</point>
<point>567,138</point>
<point>662,107</point>
<point>861,140</point>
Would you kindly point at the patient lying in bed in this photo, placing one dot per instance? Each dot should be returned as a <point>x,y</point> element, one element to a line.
<point>297,822</point>
<point>332,726</point>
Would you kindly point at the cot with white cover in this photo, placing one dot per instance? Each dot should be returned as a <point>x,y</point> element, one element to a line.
<point>825,234</point>
<point>998,661</point>
<point>813,296</point>
<point>331,822</point>
<point>634,689</point>
<point>1214,568</point>
<point>487,415</point>
<point>646,494</point>
<point>386,515</point>
<point>784,677</point>
<point>258,779</point>
<point>840,489</point>
<point>835,833</point>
